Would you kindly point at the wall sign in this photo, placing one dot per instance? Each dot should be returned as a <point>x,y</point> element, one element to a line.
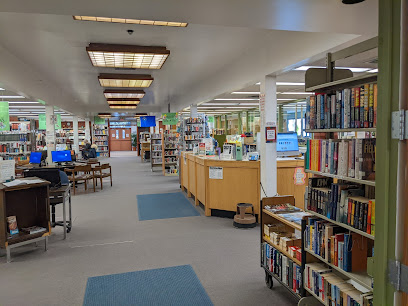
<point>299,176</point>
<point>216,173</point>
<point>270,134</point>
<point>99,120</point>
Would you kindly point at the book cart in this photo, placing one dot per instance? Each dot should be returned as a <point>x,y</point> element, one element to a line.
<point>156,151</point>
<point>341,195</point>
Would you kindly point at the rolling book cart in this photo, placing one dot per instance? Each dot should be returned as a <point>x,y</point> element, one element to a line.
<point>339,236</point>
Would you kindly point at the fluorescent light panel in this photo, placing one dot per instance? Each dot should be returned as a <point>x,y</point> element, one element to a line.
<point>11,97</point>
<point>127,56</point>
<point>125,80</point>
<point>245,92</point>
<point>353,69</point>
<point>236,99</point>
<point>123,106</point>
<point>123,101</point>
<point>131,21</point>
<point>296,93</point>
<point>22,102</point>
<point>289,83</point>
<point>127,94</point>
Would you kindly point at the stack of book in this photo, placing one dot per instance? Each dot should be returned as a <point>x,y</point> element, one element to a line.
<point>332,289</point>
<point>284,268</point>
<point>350,204</point>
<point>354,158</point>
<point>347,250</point>
<point>347,108</point>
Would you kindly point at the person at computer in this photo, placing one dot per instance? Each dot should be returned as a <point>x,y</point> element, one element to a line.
<point>88,152</point>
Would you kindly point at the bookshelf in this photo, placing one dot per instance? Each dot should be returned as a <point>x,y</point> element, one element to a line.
<point>17,145</point>
<point>100,137</point>
<point>343,184</point>
<point>156,157</point>
<point>170,153</point>
<point>194,130</point>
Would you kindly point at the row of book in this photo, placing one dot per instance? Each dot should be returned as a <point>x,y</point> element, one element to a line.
<point>332,289</point>
<point>347,108</point>
<point>354,158</point>
<point>347,250</point>
<point>283,267</point>
<point>345,203</point>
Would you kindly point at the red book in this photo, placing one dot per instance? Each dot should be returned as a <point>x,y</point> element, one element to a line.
<point>319,161</point>
<point>350,206</point>
<point>370,204</point>
<point>337,238</point>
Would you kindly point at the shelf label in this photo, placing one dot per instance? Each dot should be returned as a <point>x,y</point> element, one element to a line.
<point>216,173</point>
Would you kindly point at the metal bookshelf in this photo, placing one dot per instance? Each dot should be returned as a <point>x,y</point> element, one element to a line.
<point>156,151</point>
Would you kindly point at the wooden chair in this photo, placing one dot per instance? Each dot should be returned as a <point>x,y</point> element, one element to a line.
<point>79,174</point>
<point>99,173</point>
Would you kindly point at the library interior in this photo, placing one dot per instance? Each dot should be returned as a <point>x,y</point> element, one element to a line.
<point>204,152</point>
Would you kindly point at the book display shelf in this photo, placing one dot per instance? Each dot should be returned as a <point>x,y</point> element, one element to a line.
<point>17,145</point>
<point>281,255</point>
<point>194,130</point>
<point>340,196</point>
<point>156,151</point>
<point>101,139</point>
<point>170,153</point>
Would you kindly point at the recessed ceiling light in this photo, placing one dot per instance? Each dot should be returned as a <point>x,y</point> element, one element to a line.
<point>2,89</point>
<point>236,99</point>
<point>123,106</point>
<point>27,106</point>
<point>11,97</point>
<point>353,69</point>
<point>131,21</point>
<point>218,104</point>
<point>285,99</point>
<point>120,93</point>
<point>123,101</point>
<point>245,92</point>
<point>23,102</point>
<point>125,80</point>
<point>290,83</point>
<point>126,56</point>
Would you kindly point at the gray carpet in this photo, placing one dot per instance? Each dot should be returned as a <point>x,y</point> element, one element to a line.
<point>107,238</point>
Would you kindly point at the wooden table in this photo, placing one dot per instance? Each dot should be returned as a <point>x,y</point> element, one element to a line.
<point>30,204</point>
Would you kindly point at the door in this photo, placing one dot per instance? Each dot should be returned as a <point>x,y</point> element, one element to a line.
<point>120,140</point>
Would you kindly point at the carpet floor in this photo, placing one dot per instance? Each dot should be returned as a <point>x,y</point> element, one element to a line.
<point>108,238</point>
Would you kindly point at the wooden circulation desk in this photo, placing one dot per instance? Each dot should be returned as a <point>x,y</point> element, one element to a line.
<point>240,182</point>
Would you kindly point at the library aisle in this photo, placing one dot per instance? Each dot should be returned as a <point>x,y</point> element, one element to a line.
<point>107,238</point>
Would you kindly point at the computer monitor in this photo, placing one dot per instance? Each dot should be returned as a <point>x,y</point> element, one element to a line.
<point>61,156</point>
<point>51,175</point>
<point>287,144</point>
<point>35,157</point>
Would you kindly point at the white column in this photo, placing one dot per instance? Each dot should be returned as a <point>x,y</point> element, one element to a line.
<point>193,111</point>
<point>76,136</point>
<point>87,129</point>
<point>268,150</point>
<point>50,131</point>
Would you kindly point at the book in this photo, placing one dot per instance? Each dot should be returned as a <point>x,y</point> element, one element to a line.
<point>373,217</point>
<point>12,225</point>
<point>33,229</point>
<point>368,159</point>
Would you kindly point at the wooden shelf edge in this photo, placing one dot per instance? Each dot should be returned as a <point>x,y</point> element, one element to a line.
<point>314,295</point>
<point>283,220</point>
<point>359,278</point>
<point>339,177</point>
<point>282,251</point>
<point>353,81</point>
<point>350,228</point>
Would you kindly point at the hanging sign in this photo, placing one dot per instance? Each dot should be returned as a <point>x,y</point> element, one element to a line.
<point>210,119</point>
<point>270,134</point>
<point>99,120</point>
<point>169,118</point>
<point>138,122</point>
<point>4,116</point>
<point>58,122</point>
<point>299,176</point>
<point>42,125</point>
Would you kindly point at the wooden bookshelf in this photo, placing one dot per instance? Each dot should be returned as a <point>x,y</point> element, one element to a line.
<point>315,296</point>
<point>286,253</point>
<point>350,228</point>
<point>360,277</point>
<point>155,143</point>
<point>341,130</point>
<point>344,178</point>
<point>283,220</point>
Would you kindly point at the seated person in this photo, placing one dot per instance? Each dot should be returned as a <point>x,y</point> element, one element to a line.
<point>88,152</point>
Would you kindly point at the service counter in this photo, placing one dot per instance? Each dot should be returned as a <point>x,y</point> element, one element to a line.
<point>222,184</point>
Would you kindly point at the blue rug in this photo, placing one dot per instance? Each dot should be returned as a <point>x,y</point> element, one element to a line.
<point>166,286</point>
<point>164,206</point>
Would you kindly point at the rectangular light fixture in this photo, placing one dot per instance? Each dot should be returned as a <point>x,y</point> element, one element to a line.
<point>104,115</point>
<point>11,97</point>
<point>352,69</point>
<point>373,70</point>
<point>131,21</point>
<point>123,106</point>
<point>121,93</point>
<point>290,83</point>
<point>125,80</point>
<point>123,101</point>
<point>2,89</point>
<point>245,92</point>
<point>236,99</point>
<point>127,56</point>
<point>219,104</point>
<point>23,102</point>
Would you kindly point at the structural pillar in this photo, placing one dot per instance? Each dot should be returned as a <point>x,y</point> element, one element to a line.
<point>50,131</point>
<point>280,120</point>
<point>226,124</point>
<point>268,150</point>
<point>240,123</point>
<point>247,121</point>
<point>87,129</point>
<point>296,117</point>
<point>193,111</point>
<point>76,135</point>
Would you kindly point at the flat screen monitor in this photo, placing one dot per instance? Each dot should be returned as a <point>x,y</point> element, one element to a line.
<point>61,156</point>
<point>147,121</point>
<point>287,144</point>
<point>35,157</point>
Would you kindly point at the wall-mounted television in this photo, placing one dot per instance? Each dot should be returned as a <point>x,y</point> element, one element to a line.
<point>147,121</point>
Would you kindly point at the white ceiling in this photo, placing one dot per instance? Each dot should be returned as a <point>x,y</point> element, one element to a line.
<point>228,45</point>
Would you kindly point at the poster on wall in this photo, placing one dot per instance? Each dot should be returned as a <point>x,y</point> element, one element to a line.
<point>58,122</point>
<point>99,120</point>
<point>42,121</point>
<point>169,118</point>
<point>4,116</point>
<point>42,125</point>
